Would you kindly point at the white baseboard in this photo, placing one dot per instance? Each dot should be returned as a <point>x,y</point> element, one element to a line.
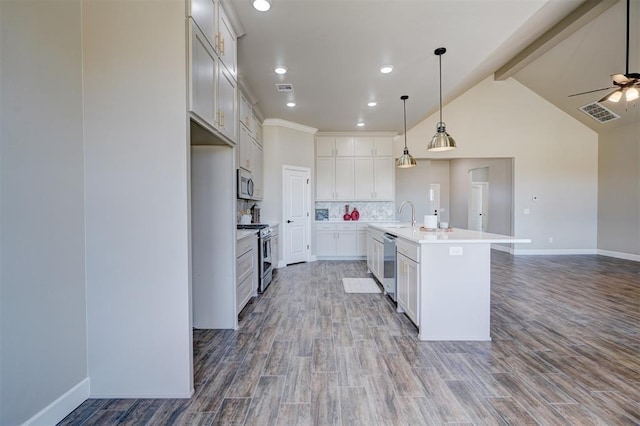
<point>620,255</point>
<point>61,407</point>
<point>502,248</point>
<point>313,258</point>
<point>552,252</point>
<point>179,395</point>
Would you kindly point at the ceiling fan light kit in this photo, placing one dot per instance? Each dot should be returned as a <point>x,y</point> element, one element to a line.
<point>441,141</point>
<point>406,160</point>
<point>625,84</point>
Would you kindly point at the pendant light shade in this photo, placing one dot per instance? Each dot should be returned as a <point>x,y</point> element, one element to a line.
<point>406,160</point>
<point>441,141</point>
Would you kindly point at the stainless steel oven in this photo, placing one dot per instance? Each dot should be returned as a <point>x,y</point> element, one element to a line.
<point>265,262</point>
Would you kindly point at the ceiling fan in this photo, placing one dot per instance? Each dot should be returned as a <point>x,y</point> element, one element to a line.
<point>626,84</point>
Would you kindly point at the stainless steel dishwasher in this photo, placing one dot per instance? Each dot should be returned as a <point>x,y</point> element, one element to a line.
<point>389,275</point>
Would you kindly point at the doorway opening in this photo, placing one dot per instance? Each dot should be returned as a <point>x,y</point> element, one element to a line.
<point>478,211</point>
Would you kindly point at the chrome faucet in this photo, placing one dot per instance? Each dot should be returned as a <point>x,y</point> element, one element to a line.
<point>413,212</point>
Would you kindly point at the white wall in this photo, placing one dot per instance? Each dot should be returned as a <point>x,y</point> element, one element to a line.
<point>42,282</point>
<point>136,165</point>
<point>619,191</point>
<point>555,160</point>
<point>284,144</point>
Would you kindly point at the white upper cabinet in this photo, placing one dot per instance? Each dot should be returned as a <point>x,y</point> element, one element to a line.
<point>363,146</point>
<point>383,146</point>
<point>245,150</point>
<point>203,73</point>
<point>334,147</point>
<point>204,13</point>
<point>227,118</point>
<point>256,128</point>
<point>384,178</point>
<point>373,146</point>
<point>245,111</point>
<point>226,43</point>
<point>212,69</point>
<point>362,168</point>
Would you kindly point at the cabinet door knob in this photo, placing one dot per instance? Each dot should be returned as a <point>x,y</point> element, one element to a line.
<point>289,221</point>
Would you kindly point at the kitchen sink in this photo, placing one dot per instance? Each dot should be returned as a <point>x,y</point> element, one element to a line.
<point>397,225</point>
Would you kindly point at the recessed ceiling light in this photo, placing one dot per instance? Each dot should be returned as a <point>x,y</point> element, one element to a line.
<point>360,124</point>
<point>280,70</point>
<point>261,5</point>
<point>386,69</point>
<point>291,104</point>
<point>372,104</point>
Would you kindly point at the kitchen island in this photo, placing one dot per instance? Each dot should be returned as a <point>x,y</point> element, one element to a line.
<point>444,279</point>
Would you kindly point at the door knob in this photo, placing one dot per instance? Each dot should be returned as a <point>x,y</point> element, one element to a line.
<point>289,221</point>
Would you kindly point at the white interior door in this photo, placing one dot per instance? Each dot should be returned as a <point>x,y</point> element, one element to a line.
<point>296,222</point>
<point>434,198</point>
<point>478,213</point>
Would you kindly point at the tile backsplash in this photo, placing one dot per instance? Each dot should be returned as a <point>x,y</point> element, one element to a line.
<point>369,210</point>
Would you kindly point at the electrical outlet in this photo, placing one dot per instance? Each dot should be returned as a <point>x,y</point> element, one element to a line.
<point>551,239</point>
<point>455,251</point>
<point>527,211</point>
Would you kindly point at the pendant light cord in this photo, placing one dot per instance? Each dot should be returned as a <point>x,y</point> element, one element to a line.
<point>404,106</point>
<point>440,61</point>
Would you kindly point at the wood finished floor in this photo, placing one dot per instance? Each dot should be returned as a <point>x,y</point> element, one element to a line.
<point>565,350</point>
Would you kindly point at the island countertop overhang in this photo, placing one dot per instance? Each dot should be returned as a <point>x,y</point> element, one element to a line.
<point>440,236</point>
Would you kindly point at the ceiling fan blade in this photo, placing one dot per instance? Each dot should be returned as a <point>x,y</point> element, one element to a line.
<point>619,78</point>
<point>606,98</point>
<point>591,91</point>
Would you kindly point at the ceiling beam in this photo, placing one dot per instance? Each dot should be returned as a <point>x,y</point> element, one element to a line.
<point>582,15</point>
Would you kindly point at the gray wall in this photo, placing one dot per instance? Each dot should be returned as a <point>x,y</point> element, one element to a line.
<point>42,284</point>
<point>413,184</point>
<point>284,146</point>
<point>619,190</point>
<point>137,196</point>
<point>500,193</point>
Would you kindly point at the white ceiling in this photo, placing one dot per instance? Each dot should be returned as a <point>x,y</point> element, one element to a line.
<point>334,48</point>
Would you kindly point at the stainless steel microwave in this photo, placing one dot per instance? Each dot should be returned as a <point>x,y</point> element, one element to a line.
<point>245,185</point>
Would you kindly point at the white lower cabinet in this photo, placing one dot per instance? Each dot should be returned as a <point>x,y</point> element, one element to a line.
<point>341,240</point>
<point>408,279</point>
<point>246,270</point>
<point>334,242</point>
<point>375,253</point>
<point>362,236</point>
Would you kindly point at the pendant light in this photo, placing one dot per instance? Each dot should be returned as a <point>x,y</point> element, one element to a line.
<point>406,160</point>
<point>441,141</point>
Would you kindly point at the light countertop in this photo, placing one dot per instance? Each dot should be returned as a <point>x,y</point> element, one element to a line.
<point>456,236</point>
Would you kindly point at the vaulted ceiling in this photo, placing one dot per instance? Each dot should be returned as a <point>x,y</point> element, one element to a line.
<point>333,50</point>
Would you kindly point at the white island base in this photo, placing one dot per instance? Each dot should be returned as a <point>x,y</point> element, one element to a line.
<point>444,279</point>
<point>455,292</point>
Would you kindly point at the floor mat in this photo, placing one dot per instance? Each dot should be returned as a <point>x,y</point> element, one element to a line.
<point>360,285</point>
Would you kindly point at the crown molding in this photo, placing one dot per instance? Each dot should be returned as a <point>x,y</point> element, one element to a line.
<point>290,125</point>
<point>364,134</point>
